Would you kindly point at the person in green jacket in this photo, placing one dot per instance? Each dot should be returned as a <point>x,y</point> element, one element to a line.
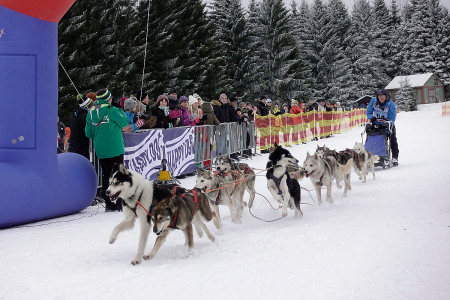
<point>104,124</point>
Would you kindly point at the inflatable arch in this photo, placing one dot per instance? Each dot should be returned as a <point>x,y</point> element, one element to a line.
<point>35,182</point>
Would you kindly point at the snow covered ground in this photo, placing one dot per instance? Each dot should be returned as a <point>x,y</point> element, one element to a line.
<point>389,239</point>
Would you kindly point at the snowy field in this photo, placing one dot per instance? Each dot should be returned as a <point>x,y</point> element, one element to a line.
<point>389,239</point>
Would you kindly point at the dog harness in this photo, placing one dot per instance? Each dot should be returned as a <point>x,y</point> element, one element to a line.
<point>276,180</point>
<point>327,165</point>
<point>183,196</point>
<point>137,203</point>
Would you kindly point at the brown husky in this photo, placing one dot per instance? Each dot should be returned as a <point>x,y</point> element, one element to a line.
<point>181,212</point>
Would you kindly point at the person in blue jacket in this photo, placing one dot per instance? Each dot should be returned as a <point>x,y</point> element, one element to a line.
<point>381,109</point>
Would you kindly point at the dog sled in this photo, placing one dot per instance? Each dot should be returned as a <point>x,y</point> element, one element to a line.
<point>379,143</point>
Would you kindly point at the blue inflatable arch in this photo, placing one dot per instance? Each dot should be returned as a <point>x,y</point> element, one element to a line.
<point>35,182</point>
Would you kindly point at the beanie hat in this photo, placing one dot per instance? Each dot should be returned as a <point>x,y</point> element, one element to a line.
<point>382,92</point>
<point>92,96</point>
<point>161,97</point>
<point>192,100</point>
<point>222,95</point>
<point>238,109</point>
<point>172,90</point>
<point>294,102</point>
<point>196,96</point>
<point>233,99</point>
<point>122,101</point>
<point>268,101</point>
<point>129,104</point>
<point>103,94</point>
<point>262,97</point>
<point>85,102</point>
<point>182,99</point>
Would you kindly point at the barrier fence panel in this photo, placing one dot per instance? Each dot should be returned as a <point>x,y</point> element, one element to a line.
<point>446,109</point>
<point>204,142</point>
<point>293,129</point>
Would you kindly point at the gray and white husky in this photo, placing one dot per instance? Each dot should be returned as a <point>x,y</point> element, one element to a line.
<point>241,171</point>
<point>339,172</point>
<point>219,189</point>
<point>138,195</point>
<point>322,171</point>
<point>366,160</point>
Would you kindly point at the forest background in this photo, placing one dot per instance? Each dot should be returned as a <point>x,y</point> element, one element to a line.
<point>300,50</point>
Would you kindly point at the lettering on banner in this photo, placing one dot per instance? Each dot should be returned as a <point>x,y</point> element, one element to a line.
<point>181,155</point>
<point>147,158</point>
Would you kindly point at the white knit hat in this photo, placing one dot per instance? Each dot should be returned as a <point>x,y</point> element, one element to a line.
<point>192,100</point>
<point>129,104</point>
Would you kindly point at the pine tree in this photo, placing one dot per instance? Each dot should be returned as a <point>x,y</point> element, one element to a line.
<point>283,76</point>
<point>316,57</point>
<point>256,68</point>
<point>394,59</point>
<point>189,42</point>
<point>303,33</point>
<point>78,53</point>
<point>417,58</point>
<point>336,31</point>
<point>383,36</point>
<point>405,99</point>
<point>301,30</point>
<point>122,65</point>
<point>231,30</point>
<point>369,69</point>
<point>440,48</point>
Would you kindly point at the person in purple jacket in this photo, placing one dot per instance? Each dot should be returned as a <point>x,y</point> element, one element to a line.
<point>185,119</point>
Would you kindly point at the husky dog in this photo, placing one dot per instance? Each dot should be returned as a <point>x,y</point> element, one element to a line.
<point>343,157</point>
<point>280,184</point>
<point>181,212</point>
<point>295,171</point>
<point>137,195</point>
<point>323,151</point>
<point>226,164</point>
<point>366,159</point>
<point>323,171</point>
<point>218,190</point>
<point>345,162</point>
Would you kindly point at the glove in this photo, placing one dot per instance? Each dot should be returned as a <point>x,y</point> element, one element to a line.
<point>373,119</point>
<point>173,114</point>
<point>139,123</point>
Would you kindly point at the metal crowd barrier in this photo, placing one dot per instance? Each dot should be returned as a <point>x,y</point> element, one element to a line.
<point>226,139</point>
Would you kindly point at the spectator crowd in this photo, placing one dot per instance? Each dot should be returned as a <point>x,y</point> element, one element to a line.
<point>103,119</point>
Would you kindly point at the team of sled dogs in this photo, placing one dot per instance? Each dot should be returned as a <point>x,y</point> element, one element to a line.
<point>171,207</point>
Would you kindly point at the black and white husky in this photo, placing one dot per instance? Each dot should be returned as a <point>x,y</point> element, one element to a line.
<point>280,184</point>
<point>137,196</point>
